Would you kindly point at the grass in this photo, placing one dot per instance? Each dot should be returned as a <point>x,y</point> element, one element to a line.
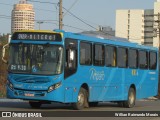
<point>2,91</point>
<point>2,95</point>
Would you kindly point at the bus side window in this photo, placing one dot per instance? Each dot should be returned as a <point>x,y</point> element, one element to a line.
<point>71,57</point>
<point>152,60</point>
<point>122,58</point>
<point>111,56</point>
<point>143,59</point>
<point>114,57</point>
<point>85,53</point>
<point>98,55</point>
<point>133,58</point>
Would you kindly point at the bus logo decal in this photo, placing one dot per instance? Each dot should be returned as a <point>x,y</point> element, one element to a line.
<point>34,69</point>
<point>97,75</point>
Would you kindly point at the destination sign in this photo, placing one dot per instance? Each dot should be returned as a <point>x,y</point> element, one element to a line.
<point>37,36</point>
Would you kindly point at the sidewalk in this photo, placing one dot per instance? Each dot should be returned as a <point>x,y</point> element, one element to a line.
<point>150,99</point>
<point>10,100</point>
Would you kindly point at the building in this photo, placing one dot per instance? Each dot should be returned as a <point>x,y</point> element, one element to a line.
<point>138,25</point>
<point>22,16</point>
<point>135,25</point>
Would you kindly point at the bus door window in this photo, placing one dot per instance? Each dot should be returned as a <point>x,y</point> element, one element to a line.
<point>71,57</point>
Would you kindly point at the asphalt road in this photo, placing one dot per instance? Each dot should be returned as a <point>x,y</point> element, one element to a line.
<point>143,105</point>
<point>18,105</point>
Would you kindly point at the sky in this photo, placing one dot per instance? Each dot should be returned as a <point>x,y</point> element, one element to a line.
<point>92,12</point>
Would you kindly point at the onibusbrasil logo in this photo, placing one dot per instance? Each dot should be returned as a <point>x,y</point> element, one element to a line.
<point>20,114</point>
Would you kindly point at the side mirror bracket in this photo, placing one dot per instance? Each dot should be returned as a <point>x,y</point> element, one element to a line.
<point>4,52</point>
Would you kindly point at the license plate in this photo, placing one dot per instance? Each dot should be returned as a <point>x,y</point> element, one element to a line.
<point>29,94</point>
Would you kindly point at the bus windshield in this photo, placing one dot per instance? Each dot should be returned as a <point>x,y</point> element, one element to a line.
<point>36,59</point>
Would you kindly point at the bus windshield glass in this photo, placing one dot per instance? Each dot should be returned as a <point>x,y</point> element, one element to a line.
<point>36,59</point>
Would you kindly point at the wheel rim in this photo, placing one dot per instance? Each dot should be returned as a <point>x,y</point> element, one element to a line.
<point>131,98</point>
<point>81,99</point>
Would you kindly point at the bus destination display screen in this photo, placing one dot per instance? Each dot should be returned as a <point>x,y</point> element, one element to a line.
<point>37,36</point>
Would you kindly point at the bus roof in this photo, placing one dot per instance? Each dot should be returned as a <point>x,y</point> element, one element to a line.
<point>116,41</point>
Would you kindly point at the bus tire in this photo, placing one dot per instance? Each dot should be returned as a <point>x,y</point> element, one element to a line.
<point>35,104</point>
<point>131,98</point>
<point>81,99</point>
<point>93,104</point>
<point>120,103</point>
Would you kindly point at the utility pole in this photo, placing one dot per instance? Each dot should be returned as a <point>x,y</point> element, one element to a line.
<point>60,15</point>
<point>159,29</point>
<point>159,50</point>
<point>158,35</point>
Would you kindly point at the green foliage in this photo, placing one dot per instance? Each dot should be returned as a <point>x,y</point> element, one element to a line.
<point>3,66</point>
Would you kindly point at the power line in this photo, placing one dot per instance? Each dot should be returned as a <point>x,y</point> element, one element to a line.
<point>41,2</point>
<point>44,10</point>
<point>71,7</point>
<point>74,27</point>
<point>34,8</point>
<point>86,22</point>
<point>47,20</point>
<point>5,4</point>
<point>68,11</point>
<point>50,22</point>
<point>5,17</point>
<point>79,19</point>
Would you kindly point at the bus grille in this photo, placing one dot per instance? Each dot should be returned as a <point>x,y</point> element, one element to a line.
<point>31,79</point>
<point>36,93</point>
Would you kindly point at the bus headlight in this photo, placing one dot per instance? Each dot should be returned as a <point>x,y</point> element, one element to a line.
<point>10,85</point>
<point>53,87</point>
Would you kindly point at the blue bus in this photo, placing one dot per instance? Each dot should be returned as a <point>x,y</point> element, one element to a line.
<point>59,66</point>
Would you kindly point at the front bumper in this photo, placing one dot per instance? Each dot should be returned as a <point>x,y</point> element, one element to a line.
<point>36,95</point>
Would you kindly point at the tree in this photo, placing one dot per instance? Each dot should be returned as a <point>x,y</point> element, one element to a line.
<point>3,67</point>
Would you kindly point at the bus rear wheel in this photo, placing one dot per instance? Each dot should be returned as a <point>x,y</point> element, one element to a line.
<point>82,98</point>
<point>131,99</point>
<point>35,104</point>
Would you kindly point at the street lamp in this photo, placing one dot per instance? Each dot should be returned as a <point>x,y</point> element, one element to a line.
<point>40,22</point>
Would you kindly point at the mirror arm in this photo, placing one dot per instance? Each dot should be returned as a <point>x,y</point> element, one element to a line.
<point>3,53</point>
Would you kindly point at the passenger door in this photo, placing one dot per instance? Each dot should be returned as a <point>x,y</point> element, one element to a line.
<point>70,57</point>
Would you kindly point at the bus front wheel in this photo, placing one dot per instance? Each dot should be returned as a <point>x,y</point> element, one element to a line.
<point>131,98</point>
<point>81,99</point>
<point>35,104</point>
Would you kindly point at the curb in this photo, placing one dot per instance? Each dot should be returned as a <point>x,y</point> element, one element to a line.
<point>150,99</point>
<point>10,100</point>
